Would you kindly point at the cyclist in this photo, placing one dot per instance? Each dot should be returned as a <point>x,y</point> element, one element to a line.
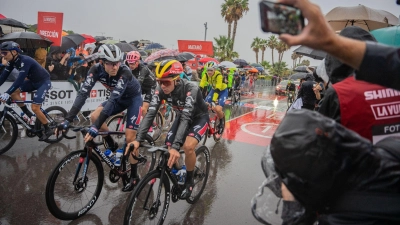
<point>291,87</point>
<point>145,77</point>
<point>32,76</point>
<point>190,125</point>
<point>205,88</point>
<point>125,94</point>
<point>218,92</point>
<point>237,82</point>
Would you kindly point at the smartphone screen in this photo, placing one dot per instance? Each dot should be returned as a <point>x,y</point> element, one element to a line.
<point>279,18</point>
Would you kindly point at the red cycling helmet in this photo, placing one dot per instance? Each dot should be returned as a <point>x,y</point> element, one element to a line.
<point>132,57</point>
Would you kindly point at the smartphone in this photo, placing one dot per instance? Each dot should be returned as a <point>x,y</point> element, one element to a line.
<point>280,18</point>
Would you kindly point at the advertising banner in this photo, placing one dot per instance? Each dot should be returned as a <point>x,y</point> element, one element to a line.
<point>196,47</point>
<point>63,94</point>
<point>50,25</point>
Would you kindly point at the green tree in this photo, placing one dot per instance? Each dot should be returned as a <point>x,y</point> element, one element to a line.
<point>305,62</point>
<point>224,48</point>
<point>266,65</point>
<point>272,44</point>
<point>69,31</point>
<point>235,9</point>
<point>294,57</point>
<point>227,15</point>
<point>263,47</point>
<point>256,45</point>
<point>279,68</point>
<point>281,47</point>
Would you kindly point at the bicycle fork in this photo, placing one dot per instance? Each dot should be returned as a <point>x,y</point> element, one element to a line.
<point>80,184</point>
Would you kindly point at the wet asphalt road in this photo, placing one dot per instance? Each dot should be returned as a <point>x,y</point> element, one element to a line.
<point>235,175</point>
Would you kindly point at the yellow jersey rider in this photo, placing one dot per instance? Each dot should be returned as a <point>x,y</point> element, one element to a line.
<point>218,92</point>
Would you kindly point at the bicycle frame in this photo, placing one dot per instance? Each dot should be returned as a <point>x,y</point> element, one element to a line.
<point>8,110</point>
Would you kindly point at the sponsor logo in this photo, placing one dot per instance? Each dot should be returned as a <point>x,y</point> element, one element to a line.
<point>386,110</point>
<point>116,92</point>
<point>380,94</point>
<point>170,134</point>
<point>68,160</point>
<point>91,203</point>
<point>392,129</point>
<point>120,84</point>
<point>133,118</point>
<point>93,93</point>
<point>49,19</point>
<point>195,47</point>
<point>49,33</point>
<point>191,134</point>
<point>130,127</point>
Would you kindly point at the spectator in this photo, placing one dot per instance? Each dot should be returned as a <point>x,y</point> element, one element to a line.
<point>306,93</point>
<point>40,56</point>
<point>370,59</point>
<point>56,64</point>
<point>1,32</point>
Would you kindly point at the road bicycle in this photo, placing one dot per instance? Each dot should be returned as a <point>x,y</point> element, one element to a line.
<point>236,97</point>
<point>150,200</point>
<point>74,185</point>
<point>117,123</point>
<point>9,127</point>
<point>215,127</point>
<point>290,98</point>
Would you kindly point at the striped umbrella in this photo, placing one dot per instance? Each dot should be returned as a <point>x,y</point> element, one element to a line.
<point>162,54</point>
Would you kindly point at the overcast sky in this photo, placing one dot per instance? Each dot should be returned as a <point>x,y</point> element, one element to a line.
<point>164,21</point>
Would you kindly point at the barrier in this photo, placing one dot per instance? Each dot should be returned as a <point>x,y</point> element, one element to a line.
<point>63,94</point>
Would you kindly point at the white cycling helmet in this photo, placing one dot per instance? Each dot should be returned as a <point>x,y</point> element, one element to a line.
<point>110,53</point>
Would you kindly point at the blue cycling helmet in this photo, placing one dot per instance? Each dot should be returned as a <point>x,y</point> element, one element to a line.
<point>10,45</point>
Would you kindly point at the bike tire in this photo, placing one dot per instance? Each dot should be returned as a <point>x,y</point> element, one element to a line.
<point>9,122</point>
<point>54,205</point>
<point>147,188</point>
<point>217,136</point>
<point>200,175</point>
<point>60,113</point>
<point>117,123</point>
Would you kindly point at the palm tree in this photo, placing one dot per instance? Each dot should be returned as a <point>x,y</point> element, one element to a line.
<point>266,65</point>
<point>305,62</point>
<point>255,45</point>
<point>294,58</point>
<point>300,56</point>
<point>227,15</point>
<point>224,48</point>
<point>237,10</point>
<point>272,43</point>
<point>279,68</point>
<point>281,48</point>
<point>263,47</point>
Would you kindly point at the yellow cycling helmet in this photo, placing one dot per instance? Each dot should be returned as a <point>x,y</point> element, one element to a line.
<point>169,68</point>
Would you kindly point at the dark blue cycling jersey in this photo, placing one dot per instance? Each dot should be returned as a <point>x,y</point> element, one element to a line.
<point>28,68</point>
<point>123,86</point>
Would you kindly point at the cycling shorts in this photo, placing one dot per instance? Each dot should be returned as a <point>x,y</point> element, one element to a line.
<point>147,94</point>
<point>221,97</point>
<point>40,88</point>
<point>197,129</point>
<point>134,111</point>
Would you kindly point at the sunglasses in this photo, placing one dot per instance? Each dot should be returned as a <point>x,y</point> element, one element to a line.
<point>112,64</point>
<point>166,83</point>
<point>4,53</point>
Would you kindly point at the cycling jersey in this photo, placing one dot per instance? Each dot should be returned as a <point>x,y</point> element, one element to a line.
<point>291,87</point>
<point>123,87</point>
<point>28,68</point>
<point>216,82</point>
<point>145,77</point>
<point>187,98</point>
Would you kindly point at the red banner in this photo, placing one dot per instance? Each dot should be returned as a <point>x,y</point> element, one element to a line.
<point>50,26</point>
<point>196,47</point>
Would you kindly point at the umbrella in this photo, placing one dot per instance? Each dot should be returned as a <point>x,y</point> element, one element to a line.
<point>186,56</point>
<point>208,59</point>
<point>362,16</point>
<point>253,70</point>
<point>13,23</point>
<point>154,46</point>
<point>309,52</point>
<point>54,49</point>
<point>228,64</point>
<point>63,33</point>
<point>255,65</point>
<point>389,35</point>
<point>162,55</point>
<point>240,62</point>
<point>109,41</point>
<point>302,69</point>
<point>100,38</point>
<point>261,69</point>
<point>2,16</point>
<point>134,43</point>
<point>298,76</point>
<point>125,47</point>
<point>27,39</point>
<point>71,41</point>
<point>88,38</point>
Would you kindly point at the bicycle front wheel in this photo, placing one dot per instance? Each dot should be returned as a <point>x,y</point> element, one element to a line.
<point>144,207</point>
<point>67,200</point>
<point>8,133</point>
<point>55,115</point>
<point>200,175</point>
